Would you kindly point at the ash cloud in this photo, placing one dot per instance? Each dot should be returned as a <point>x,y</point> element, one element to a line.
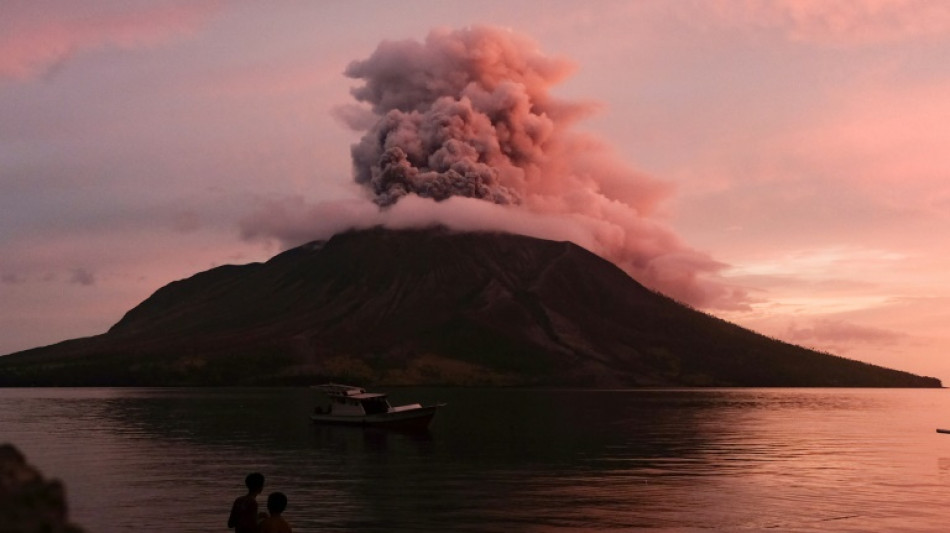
<point>466,113</point>
<point>461,130</point>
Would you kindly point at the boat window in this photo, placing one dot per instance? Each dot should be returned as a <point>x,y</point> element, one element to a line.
<point>375,406</point>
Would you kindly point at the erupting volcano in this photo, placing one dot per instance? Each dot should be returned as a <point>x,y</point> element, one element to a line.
<point>461,130</point>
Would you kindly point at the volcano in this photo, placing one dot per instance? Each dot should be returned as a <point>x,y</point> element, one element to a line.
<point>433,307</point>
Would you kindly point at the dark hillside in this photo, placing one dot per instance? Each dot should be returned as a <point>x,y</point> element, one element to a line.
<point>430,307</point>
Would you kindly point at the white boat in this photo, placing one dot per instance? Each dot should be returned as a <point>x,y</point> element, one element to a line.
<point>354,406</point>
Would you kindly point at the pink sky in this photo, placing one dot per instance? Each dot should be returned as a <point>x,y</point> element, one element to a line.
<point>800,145</point>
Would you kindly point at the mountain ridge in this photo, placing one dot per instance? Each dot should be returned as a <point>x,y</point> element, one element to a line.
<point>430,306</point>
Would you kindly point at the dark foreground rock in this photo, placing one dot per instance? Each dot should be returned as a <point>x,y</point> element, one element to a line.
<point>29,503</point>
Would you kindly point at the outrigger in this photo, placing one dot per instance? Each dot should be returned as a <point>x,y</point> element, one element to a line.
<point>354,406</point>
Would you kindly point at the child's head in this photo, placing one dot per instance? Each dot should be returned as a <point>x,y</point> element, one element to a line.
<point>276,503</point>
<point>254,482</point>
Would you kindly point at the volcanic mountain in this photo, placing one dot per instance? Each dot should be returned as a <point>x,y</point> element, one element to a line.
<point>430,307</point>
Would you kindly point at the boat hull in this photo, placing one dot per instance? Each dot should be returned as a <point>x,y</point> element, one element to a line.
<point>413,419</point>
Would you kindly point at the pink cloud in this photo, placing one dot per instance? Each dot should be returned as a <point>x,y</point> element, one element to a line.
<point>841,22</point>
<point>38,36</point>
<point>839,333</point>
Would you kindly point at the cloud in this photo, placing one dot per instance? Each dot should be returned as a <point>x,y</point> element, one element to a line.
<point>841,23</point>
<point>82,276</point>
<point>293,221</point>
<point>38,36</point>
<point>820,263</point>
<point>462,130</point>
<point>839,334</point>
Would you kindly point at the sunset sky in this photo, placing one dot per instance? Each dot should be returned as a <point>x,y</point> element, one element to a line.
<point>791,158</point>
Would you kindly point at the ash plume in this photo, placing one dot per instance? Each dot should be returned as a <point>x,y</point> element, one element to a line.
<point>464,114</point>
<point>461,130</point>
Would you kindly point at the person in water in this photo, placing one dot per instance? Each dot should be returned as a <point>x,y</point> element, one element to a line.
<point>275,523</point>
<point>244,516</point>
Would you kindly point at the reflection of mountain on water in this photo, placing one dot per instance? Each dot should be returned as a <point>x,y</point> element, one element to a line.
<point>495,459</point>
<point>499,450</point>
<point>498,427</point>
<point>244,420</point>
<point>238,418</point>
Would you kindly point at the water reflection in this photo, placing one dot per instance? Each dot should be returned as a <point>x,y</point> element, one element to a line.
<point>526,460</point>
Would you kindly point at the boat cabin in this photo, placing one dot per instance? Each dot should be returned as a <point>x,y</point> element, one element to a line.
<point>346,400</point>
<point>354,406</point>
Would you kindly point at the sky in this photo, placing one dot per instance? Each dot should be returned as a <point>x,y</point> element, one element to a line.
<point>781,164</point>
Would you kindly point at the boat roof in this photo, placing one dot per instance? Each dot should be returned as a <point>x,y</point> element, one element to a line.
<point>368,395</point>
<point>337,388</point>
<point>351,391</point>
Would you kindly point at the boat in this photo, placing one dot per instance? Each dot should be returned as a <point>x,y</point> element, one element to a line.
<point>350,405</point>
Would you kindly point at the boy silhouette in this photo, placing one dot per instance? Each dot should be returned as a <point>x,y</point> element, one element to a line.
<point>244,514</point>
<point>276,503</point>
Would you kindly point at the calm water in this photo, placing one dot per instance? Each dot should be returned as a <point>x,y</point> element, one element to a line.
<point>499,460</point>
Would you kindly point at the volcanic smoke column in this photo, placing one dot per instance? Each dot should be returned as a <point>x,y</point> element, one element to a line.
<point>467,113</point>
<point>464,114</point>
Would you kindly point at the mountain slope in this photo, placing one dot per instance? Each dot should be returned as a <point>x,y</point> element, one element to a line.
<point>430,306</point>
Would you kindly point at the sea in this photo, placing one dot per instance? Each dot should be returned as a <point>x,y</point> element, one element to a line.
<point>505,460</point>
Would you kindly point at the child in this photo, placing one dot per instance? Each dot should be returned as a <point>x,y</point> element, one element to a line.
<point>244,514</point>
<point>276,503</point>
